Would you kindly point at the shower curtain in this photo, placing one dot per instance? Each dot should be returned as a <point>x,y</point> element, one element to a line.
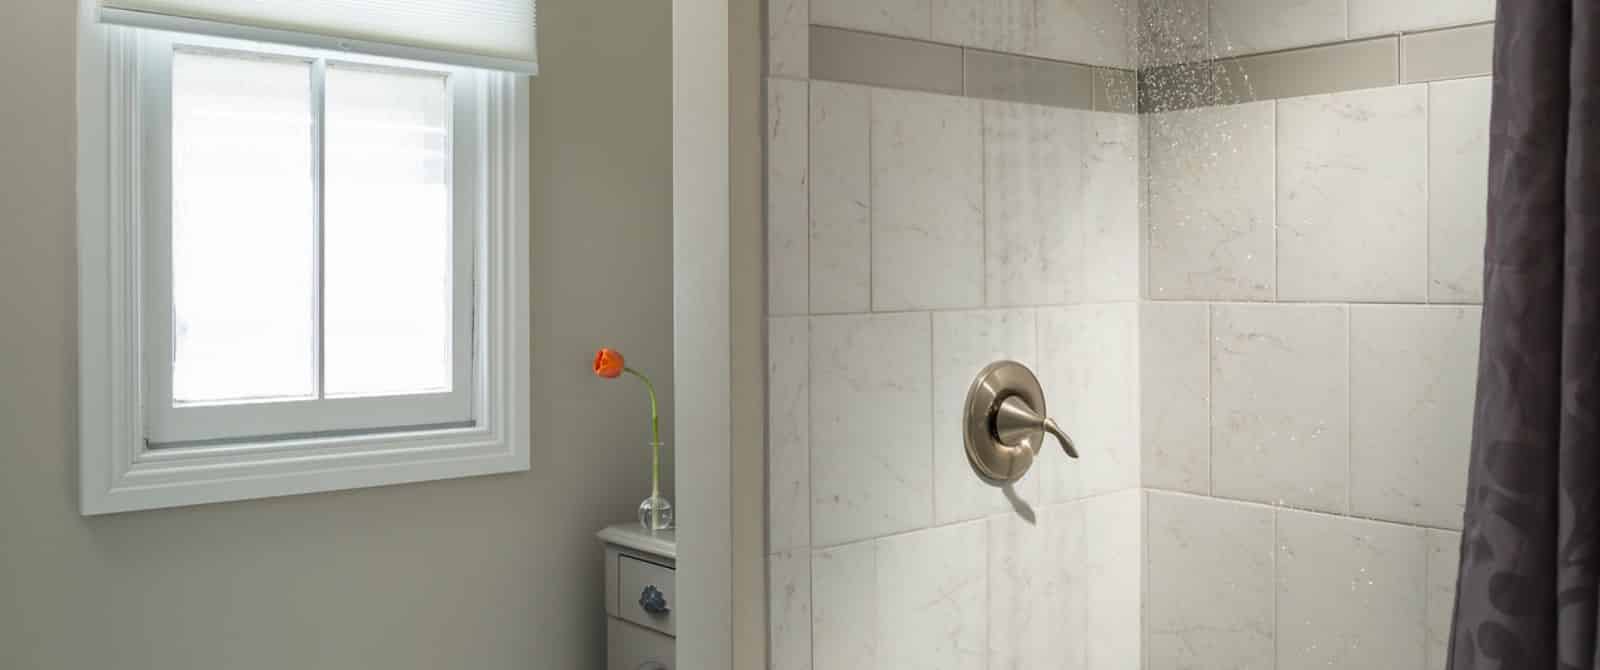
<point>1530,553</point>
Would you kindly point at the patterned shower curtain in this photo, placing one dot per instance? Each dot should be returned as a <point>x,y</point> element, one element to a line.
<point>1530,552</point>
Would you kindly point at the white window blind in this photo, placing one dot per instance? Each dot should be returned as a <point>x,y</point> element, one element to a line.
<point>489,34</point>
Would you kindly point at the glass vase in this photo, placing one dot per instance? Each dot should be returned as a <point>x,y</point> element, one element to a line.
<point>655,513</point>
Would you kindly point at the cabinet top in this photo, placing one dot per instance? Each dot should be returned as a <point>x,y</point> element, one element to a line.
<point>663,543</point>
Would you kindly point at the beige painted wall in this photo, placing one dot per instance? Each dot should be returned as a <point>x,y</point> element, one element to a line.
<point>485,573</point>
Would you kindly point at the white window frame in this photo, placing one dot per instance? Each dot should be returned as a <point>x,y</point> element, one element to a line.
<point>122,470</point>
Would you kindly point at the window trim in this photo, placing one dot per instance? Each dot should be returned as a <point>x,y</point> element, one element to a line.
<point>169,425</point>
<point>120,472</point>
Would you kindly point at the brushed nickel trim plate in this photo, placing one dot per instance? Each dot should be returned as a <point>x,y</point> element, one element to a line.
<point>1005,423</point>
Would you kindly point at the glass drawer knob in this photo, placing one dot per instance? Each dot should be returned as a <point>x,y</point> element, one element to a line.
<point>654,601</point>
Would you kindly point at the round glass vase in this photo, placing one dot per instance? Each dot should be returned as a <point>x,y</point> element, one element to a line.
<point>655,513</point>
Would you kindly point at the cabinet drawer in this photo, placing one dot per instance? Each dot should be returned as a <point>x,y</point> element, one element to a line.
<point>643,587</point>
<point>635,648</point>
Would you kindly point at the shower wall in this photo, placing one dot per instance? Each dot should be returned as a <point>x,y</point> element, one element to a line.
<point>1254,306</point>
<point>1316,226</point>
<point>950,184</point>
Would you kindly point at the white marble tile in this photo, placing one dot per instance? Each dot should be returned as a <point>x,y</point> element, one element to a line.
<point>933,599</point>
<point>1175,396</point>
<point>1173,31</point>
<point>1035,225</point>
<point>1350,593</point>
<point>788,434</point>
<point>1038,599</point>
<point>1386,17</point>
<point>844,608</point>
<point>963,344</point>
<point>1412,380</point>
<point>1211,203</point>
<point>871,460</point>
<point>906,18</point>
<point>1209,594</point>
<point>1114,565</point>
<point>1113,246</point>
<point>1352,196</point>
<point>1007,26</point>
<point>788,197</point>
<point>927,201</point>
<point>1458,188</point>
<point>1280,406</point>
<point>1088,365</point>
<point>789,610</point>
<point>1252,26</point>
<point>1444,552</point>
<point>841,198</point>
<point>789,38</point>
<point>1093,32</point>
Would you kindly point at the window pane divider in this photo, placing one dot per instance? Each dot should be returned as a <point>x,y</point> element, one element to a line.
<point>319,127</point>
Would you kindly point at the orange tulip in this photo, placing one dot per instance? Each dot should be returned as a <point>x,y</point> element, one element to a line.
<point>608,363</point>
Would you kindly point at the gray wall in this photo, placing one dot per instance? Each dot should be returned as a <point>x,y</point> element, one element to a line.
<point>486,573</point>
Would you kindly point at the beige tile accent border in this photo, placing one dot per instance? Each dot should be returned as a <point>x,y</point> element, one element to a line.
<point>1116,91</point>
<point>851,56</point>
<point>877,60</point>
<point>1447,54</point>
<point>855,57</point>
<point>996,76</point>
<point>1451,53</point>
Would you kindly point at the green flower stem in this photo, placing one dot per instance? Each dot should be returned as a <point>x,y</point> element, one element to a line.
<point>655,433</point>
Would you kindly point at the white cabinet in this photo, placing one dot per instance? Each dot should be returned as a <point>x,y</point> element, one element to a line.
<point>630,647</point>
<point>640,597</point>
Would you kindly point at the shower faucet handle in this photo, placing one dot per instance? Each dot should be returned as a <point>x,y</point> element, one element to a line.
<point>1006,421</point>
<point>1015,423</point>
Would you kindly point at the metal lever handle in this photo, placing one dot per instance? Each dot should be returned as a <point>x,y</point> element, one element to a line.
<point>1015,422</point>
<point>1005,423</point>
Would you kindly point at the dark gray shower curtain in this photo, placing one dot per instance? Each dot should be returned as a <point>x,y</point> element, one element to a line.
<point>1530,549</point>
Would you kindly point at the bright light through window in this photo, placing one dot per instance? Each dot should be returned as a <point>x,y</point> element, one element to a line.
<point>387,233</point>
<point>242,229</point>
<point>246,231</point>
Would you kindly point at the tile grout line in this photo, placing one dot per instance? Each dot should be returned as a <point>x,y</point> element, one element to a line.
<point>983,195</point>
<point>1211,399</point>
<point>1081,500</point>
<point>1427,192</point>
<point>872,183</point>
<point>1307,510</point>
<point>1218,302</point>
<point>1346,5</point>
<point>1400,59</point>
<point>1277,209</point>
<point>1277,544</point>
<point>809,177</point>
<point>1349,403</point>
<point>933,411</point>
<point>811,540</point>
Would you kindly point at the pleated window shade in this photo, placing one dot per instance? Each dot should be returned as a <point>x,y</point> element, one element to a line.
<point>489,34</point>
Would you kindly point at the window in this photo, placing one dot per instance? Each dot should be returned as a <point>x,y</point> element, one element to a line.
<point>311,260</point>
<point>300,270</point>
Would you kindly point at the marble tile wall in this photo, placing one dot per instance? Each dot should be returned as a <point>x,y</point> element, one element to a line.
<point>1238,27</point>
<point>1123,34</point>
<point>913,238</point>
<point>1092,32</point>
<point>1258,320</point>
<point>1322,254</point>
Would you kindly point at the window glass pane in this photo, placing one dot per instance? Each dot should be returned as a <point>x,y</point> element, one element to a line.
<point>242,229</point>
<point>387,233</point>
